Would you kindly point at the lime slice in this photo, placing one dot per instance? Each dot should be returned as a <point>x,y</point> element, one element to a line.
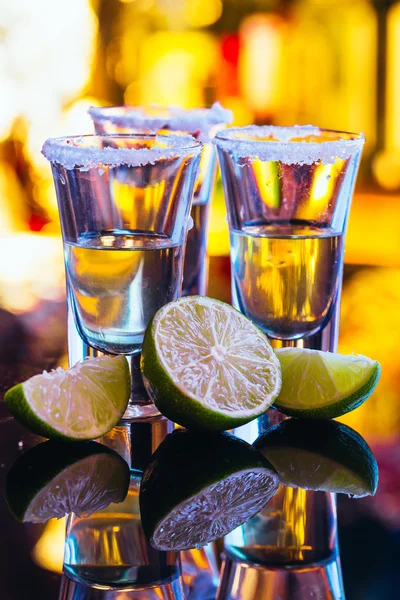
<point>53,479</point>
<point>206,366</point>
<point>322,384</point>
<point>320,455</point>
<point>199,487</point>
<point>82,403</point>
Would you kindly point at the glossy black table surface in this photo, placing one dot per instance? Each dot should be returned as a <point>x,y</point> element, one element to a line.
<point>31,554</point>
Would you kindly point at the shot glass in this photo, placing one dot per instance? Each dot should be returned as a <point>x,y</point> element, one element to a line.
<point>288,192</point>
<point>288,551</point>
<point>202,123</point>
<point>124,203</point>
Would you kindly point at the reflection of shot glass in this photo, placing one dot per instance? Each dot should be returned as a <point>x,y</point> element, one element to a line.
<point>288,551</point>
<point>108,551</point>
<point>201,123</point>
<point>124,204</point>
<point>288,192</point>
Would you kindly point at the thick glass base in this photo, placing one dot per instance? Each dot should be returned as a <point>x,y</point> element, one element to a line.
<point>75,590</point>
<point>243,581</point>
<point>140,406</point>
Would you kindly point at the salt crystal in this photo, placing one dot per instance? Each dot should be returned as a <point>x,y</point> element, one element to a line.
<point>199,121</point>
<point>76,152</point>
<point>243,143</point>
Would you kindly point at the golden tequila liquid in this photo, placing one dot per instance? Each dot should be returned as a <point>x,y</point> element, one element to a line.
<point>117,282</point>
<point>286,278</point>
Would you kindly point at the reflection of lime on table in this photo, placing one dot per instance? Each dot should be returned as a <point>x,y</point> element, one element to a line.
<point>320,455</point>
<point>198,487</point>
<point>54,479</point>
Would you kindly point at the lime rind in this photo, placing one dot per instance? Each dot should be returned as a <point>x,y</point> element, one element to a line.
<point>320,455</point>
<point>216,374</point>
<point>332,401</point>
<point>76,405</point>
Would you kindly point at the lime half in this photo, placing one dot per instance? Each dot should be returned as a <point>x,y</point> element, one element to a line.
<point>198,487</point>
<point>320,455</point>
<point>82,403</point>
<point>206,366</point>
<point>53,479</point>
<point>322,384</point>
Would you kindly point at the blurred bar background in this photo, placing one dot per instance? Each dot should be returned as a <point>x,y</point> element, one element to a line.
<point>332,63</point>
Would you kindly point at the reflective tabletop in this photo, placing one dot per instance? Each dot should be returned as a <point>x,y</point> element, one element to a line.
<point>151,511</point>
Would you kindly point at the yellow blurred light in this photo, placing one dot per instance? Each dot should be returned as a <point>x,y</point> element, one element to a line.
<point>323,183</point>
<point>323,186</point>
<point>31,269</point>
<point>267,179</point>
<point>48,62</point>
<point>48,552</point>
<point>369,316</point>
<point>386,168</point>
<point>330,53</point>
<point>218,239</point>
<point>201,13</point>
<point>392,129</point>
<point>175,67</point>
<point>12,200</point>
<point>260,72</point>
<point>242,114</point>
<point>372,237</point>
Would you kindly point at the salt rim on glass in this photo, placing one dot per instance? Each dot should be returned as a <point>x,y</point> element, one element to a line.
<point>250,142</point>
<point>199,121</point>
<point>83,151</point>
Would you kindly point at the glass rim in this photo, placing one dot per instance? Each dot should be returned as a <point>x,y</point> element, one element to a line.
<point>192,120</point>
<point>70,151</point>
<point>290,144</point>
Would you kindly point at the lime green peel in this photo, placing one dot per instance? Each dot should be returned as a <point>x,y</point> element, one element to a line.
<point>319,384</point>
<point>82,403</point>
<point>206,366</point>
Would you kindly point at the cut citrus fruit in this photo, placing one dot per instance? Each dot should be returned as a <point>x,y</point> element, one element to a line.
<point>322,384</point>
<point>53,479</point>
<point>199,487</point>
<point>82,403</point>
<point>320,455</point>
<point>206,366</point>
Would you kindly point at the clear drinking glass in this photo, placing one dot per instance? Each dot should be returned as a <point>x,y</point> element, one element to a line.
<point>288,192</point>
<point>288,551</point>
<point>124,203</point>
<point>201,123</point>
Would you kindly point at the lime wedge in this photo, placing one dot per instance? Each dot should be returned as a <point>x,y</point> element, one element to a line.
<point>198,487</point>
<point>320,455</point>
<point>206,366</point>
<point>82,403</point>
<point>322,384</point>
<point>53,479</point>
